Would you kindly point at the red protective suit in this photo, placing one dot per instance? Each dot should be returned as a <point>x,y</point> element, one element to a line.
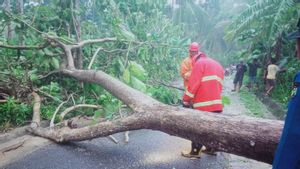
<point>205,85</point>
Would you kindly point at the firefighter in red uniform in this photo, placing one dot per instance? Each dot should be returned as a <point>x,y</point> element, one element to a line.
<point>204,92</point>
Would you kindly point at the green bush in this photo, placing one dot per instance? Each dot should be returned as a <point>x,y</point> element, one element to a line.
<point>284,82</point>
<point>14,112</point>
<point>165,95</point>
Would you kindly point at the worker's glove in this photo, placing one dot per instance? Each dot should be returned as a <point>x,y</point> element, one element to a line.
<point>187,75</point>
<point>186,104</point>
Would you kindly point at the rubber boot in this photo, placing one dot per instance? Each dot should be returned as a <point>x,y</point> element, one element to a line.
<point>234,89</point>
<point>209,151</point>
<point>238,87</point>
<point>194,153</point>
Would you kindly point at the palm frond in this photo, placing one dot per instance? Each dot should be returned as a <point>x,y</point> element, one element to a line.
<point>284,6</point>
<point>266,16</point>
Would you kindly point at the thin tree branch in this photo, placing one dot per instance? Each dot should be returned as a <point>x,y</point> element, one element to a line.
<point>113,139</point>
<point>94,57</point>
<point>167,85</point>
<point>56,111</point>
<point>25,47</point>
<point>91,41</point>
<point>127,54</point>
<point>66,111</point>
<point>49,95</point>
<point>50,73</point>
<point>8,13</point>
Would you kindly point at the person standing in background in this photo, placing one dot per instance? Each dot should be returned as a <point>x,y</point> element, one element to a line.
<point>252,74</point>
<point>186,65</point>
<point>272,70</point>
<point>241,68</point>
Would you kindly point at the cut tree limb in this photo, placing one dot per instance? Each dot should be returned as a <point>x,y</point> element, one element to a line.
<point>36,119</point>
<point>3,101</point>
<point>113,139</point>
<point>126,134</point>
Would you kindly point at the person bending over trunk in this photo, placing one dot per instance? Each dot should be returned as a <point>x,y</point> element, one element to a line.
<point>204,93</point>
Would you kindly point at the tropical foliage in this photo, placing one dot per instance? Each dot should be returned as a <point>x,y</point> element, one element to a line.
<point>152,39</point>
<point>261,31</point>
<point>149,46</point>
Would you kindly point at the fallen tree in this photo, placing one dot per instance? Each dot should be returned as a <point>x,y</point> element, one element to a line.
<point>249,137</point>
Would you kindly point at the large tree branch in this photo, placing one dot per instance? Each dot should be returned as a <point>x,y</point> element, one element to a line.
<point>68,48</point>
<point>104,129</point>
<point>249,137</point>
<point>133,98</point>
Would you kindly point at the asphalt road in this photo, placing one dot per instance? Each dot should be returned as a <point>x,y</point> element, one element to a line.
<point>146,150</point>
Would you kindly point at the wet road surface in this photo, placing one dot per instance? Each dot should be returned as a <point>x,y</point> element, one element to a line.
<point>146,150</point>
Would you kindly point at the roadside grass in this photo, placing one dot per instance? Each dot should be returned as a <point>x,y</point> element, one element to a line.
<point>253,104</point>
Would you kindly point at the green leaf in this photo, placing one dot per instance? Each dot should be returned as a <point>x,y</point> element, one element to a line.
<point>33,77</point>
<point>137,84</point>
<point>55,63</point>
<point>121,65</point>
<point>126,33</point>
<point>137,71</point>
<point>225,100</point>
<point>99,113</point>
<point>126,76</point>
<point>48,52</point>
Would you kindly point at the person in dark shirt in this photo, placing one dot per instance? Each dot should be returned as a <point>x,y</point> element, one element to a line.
<point>241,68</point>
<point>253,73</point>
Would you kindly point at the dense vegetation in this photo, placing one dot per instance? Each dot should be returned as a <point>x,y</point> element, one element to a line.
<point>261,32</point>
<point>152,39</point>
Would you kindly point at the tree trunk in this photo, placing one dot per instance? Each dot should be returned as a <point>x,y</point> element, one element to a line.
<point>20,10</point>
<point>7,5</point>
<point>249,137</point>
<point>77,27</point>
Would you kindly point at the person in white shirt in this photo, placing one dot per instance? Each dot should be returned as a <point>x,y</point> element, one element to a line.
<point>272,69</point>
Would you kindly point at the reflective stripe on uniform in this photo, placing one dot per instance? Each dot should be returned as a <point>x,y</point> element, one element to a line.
<point>213,77</point>
<point>207,103</point>
<point>189,94</point>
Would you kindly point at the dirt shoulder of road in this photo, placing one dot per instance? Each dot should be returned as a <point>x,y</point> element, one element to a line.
<point>238,108</point>
<point>17,143</point>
